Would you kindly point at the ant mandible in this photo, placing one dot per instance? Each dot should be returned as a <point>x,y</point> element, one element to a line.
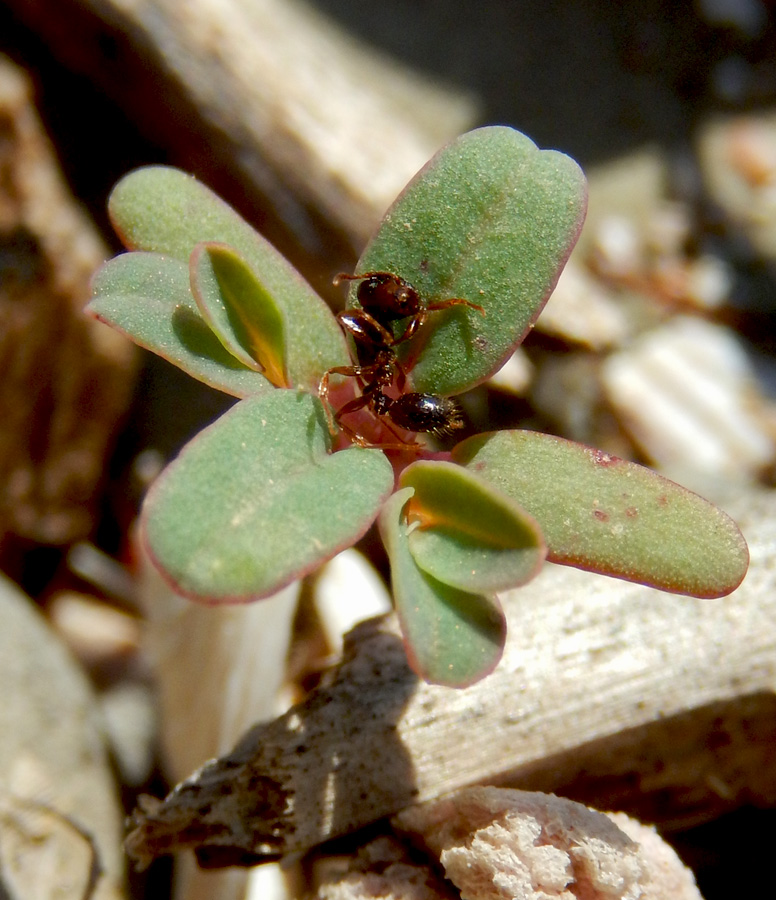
<point>386,298</point>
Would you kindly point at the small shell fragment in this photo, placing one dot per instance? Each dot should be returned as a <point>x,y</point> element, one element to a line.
<point>500,844</point>
<point>637,239</point>
<point>708,282</point>
<point>618,247</point>
<point>624,194</point>
<point>687,395</point>
<point>95,632</point>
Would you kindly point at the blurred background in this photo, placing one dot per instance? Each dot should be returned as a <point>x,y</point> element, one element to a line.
<point>309,117</point>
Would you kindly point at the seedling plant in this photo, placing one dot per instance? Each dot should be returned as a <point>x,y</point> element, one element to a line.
<point>329,433</point>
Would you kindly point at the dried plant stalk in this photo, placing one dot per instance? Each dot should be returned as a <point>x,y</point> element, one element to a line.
<point>299,109</point>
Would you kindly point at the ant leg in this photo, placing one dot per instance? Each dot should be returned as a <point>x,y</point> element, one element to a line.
<point>344,276</point>
<point>419,319</point>
<point>380,405</point>
<point>351,407</point>
<point>361,441</point>
<point>412,326</point>
<point>323,390</point>
<point>455,301</point>
<point>401,375</point>
<point>323,393</point>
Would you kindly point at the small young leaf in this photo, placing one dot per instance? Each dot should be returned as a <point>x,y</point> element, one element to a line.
<point>147,297</point>
<point>452,637</point>
<point>491,219</point>
<point>240,311</point>
<point>165,210</point>
<point>256,500</point>
<point>468,535</point>
<point>607,515</point>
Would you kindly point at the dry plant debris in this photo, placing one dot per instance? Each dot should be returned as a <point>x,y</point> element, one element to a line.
<point>66,380</point>
<point>274,91</point>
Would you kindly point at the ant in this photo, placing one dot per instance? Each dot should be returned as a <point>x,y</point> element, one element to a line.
<point>386,298</point>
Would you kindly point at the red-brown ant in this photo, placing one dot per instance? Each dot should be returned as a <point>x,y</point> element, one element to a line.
<point>386,298</point>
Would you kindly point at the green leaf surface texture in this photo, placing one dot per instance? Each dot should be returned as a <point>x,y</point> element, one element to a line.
<point>467,534</point>
<point>491,219</point>
<point>605,514</point>
<point>164,210</point>
<point>452,637</point>
<point>147,297</point>
<point>256,500</point>
<point>243,315</point>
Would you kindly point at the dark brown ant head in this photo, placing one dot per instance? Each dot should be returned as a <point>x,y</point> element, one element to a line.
<point>385,296</point>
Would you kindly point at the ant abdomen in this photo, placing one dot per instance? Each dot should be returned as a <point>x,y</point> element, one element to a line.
<point>427,413</point>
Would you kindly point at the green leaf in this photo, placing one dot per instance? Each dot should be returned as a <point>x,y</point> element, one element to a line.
<point>491,219</point>
<point>607,515</point>
<point>256,500</point>
<point>467,535</point>
<point>452,637</point>
<point>240,311</point>
<point>165,210</point>
<point>147,297</point>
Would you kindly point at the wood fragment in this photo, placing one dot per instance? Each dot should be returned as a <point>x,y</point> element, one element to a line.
<point>302,114</point>
<point>614,693</point>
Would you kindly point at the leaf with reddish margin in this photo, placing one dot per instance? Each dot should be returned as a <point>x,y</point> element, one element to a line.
<point>164,210</point>
<point>490,219</point>
<point>605,514</point>
<point>452,637</point>
<point>147,297</point>
<point>256,500</point>
<point>240,311</point>
<point>466,534</point>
